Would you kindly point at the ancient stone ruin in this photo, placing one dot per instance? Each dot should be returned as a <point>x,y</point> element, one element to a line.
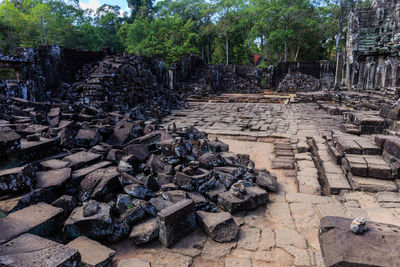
<point>112,159</point>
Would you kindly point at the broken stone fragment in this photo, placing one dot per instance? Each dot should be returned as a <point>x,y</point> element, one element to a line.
<point>10,141</point>
<point>90,208</point>
<point>138,191</point>
<point>99,183</point>
<point>176,221</point>
<point>358,225</point>
<point>87,138</point>
<point>123,202</point>
<point>255,197</point>
<point>67,203</point>
<point>124,166</point>
<point>267,181</point>
<point>96,226</point>
<point>219,226</point>
<point>144,232</point>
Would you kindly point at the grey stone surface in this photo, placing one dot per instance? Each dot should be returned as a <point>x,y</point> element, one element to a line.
<point>176,221</point>
<point>30,250</point>
<point>219,226</point>
<point>40,219</point>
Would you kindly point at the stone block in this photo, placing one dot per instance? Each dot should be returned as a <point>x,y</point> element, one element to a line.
<point>40,219</point>
<point>98,225</point>
<point>176,221</point>
<point>219,226</point>
<point>34,251</point>
<point>254,197</point>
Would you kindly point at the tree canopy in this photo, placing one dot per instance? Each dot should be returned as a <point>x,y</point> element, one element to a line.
<point>220,31</point>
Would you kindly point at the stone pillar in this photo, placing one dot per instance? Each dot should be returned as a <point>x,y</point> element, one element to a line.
<point>339,69</point>
<point>361,77</point>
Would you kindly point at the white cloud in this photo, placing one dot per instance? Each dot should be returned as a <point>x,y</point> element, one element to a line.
<point>93,5</point>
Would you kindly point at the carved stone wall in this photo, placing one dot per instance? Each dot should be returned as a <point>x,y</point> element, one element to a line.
<point>373,48</point>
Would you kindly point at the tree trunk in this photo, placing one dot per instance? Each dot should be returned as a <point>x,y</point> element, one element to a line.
<point>339,31</point>
<point>262,45</point>
<point>209,50</point>
<point>226,45</point>
<point>286,43</point>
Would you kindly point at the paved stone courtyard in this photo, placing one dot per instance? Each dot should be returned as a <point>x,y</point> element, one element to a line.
<point>288,140</point>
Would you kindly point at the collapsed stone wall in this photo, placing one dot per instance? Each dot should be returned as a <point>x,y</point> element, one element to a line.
<point>372,48</point>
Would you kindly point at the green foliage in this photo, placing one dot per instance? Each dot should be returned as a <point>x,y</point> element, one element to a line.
<point>221,31</point>
<point>168,37</point>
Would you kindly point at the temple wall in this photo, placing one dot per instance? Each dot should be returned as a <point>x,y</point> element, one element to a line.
<point>373,48</point>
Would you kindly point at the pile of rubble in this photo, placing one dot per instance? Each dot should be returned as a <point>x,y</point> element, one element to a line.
<point>299,82</point>
<point>126,83</point>
<point>215,79</point>
<point>75,170</point>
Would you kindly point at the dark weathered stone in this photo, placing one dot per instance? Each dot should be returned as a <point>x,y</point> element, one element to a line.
<point>96,226</point>
<point>191,182</point>
<point>16,179</point>
<point>267,181</point>
<point>34,251</point>
<point>144,232</point>
<point>87,138</point>
<point>376,247</point>
<point>99,183</point>
<point>138,191</point>
<point>176,221</point>
<point>219,226</point>
<point>10,141</point>
<point>253,198</point>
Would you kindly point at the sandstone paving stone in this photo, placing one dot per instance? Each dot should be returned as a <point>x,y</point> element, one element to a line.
<point>249,238</point>
<point>280,215</point>
<point>133,262</point>
<point>308,181</point>
<point>215,250</point>
<point>340,246</point>
<point>191,245</point>
<point>267,241</point>
<point>287,237</point>
<point>40,219</point>
<point>333,209</point>
<point>93,254</point>
<point>32,250</point>
<point>221,227</point>
<point>306,198</point>
<point>238,262</point>
<point>176,221</point>
<point>388,199</point>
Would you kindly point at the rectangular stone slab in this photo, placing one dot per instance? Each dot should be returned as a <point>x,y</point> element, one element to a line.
<point>379,246</point>
<point>371,184</point>
<point>348,146</point>
<point>176,221</point>
<point>34,251</point>
<point>40,219</point>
